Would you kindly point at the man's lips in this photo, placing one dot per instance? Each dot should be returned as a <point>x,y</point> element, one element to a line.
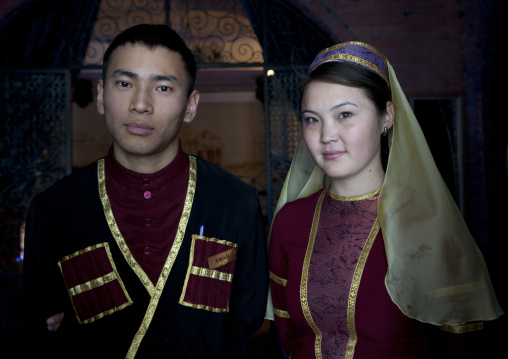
<point>331,155</point>
<point>139,128</point>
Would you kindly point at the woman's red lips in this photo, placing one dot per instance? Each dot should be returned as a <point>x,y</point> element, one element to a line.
<point>331,155</point>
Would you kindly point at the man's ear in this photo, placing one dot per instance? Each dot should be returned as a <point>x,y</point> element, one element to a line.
<point>389,115</point>
<point>100,97</point>
<point>192,106</point>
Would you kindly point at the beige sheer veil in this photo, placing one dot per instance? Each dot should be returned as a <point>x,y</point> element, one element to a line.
<point>436,273</point>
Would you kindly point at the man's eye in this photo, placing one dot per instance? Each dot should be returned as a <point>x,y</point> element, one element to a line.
<point>123,84</point>
<point>164,88</point>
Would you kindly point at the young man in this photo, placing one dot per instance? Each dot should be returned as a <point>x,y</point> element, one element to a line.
<point>148,252</point>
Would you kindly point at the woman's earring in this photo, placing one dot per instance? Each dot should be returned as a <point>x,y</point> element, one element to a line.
<point>385,131</point>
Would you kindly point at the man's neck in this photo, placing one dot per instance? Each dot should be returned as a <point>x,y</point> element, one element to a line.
<point>145,164</point>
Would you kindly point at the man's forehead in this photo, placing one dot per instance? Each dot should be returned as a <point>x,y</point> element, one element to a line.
<point>131,51</point>
<point>142,60</point>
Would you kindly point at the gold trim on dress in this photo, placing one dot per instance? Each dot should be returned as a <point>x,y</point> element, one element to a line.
<point>456,289</point>
<point>355,285</point>
<point>459,329</point>
<point>281,313</point>
<point>305,277</point>
<point>283,282</point>
<point>351,199</point>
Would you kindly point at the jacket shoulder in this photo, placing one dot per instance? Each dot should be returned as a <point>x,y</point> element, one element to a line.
<point>75,184</point>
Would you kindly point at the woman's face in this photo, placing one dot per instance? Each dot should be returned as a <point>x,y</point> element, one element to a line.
<point>342,130</point>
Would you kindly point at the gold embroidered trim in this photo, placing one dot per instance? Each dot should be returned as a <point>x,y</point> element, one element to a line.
<point>205,307</point>
<point>91,284</point>
<point>175,248</point>
<point>305,277</point>
<point>215,240</point>
<point>194,270</point>
<point>350,199</point>
<point>85,250</point>
<point>113,227</point>
<point>358,43</point>
<point>281,313</point>
<point>106,312</point>
<point>211,273</point>
<point>154,291</point>
<point>354,58</point>
<point>80,288</point>
<point>283,282</point>
<point>355,285</point>
<point>459,329</point>
<point>456,289</point>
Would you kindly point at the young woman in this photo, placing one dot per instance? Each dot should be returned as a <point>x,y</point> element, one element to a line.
<point>363,263</point>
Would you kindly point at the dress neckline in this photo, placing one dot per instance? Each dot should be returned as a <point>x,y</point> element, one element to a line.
<point>354,198</point>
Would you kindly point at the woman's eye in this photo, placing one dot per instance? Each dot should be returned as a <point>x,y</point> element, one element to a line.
<point>310,120</point>
<point>345,115</point>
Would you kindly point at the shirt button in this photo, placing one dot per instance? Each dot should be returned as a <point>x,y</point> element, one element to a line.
<point>147,250</point>
<point>147,194</point>
<point>148,222</point>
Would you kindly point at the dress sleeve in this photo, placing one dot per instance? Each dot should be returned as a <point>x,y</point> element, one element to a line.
<point>278,279</point>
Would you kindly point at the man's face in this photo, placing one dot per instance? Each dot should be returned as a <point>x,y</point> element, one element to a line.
<point>144,101</point>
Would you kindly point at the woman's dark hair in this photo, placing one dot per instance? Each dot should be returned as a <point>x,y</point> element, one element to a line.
<point>152,36</point>
<point>348,74</point>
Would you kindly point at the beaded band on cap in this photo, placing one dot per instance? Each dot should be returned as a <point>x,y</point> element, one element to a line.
<point>357,52</point>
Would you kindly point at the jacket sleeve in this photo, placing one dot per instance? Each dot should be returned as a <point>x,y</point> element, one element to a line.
<point>250,286</point>
<point>44,293</point>
<point>286,329</point>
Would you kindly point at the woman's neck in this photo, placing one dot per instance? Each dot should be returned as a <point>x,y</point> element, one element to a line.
<point>358,186</point>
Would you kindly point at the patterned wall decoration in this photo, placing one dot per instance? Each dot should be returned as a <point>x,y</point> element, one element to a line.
<point>217,31</point>
<point>34,144</point>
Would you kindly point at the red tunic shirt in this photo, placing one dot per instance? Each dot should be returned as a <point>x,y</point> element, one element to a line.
<point>147,208</point>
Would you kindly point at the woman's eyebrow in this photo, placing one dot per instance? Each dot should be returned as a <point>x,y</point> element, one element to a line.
<point>342,104</point>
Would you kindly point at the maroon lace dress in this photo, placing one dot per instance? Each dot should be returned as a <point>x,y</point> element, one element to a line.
<point>327,270</point>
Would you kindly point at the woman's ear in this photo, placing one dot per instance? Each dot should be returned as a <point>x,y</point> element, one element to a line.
<point>389,115</point>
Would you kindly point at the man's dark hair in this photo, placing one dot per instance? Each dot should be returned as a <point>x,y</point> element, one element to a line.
<point>152,36</point>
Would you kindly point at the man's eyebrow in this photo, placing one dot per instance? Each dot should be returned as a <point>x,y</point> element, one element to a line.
<point>121,72</point>
<point>153,77</point>
<point>170,78</point>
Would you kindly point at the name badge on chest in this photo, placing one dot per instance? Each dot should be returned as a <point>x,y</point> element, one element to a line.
<point>222,258</point>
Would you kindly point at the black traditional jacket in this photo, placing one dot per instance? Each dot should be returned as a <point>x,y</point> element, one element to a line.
<point>210,295</point>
